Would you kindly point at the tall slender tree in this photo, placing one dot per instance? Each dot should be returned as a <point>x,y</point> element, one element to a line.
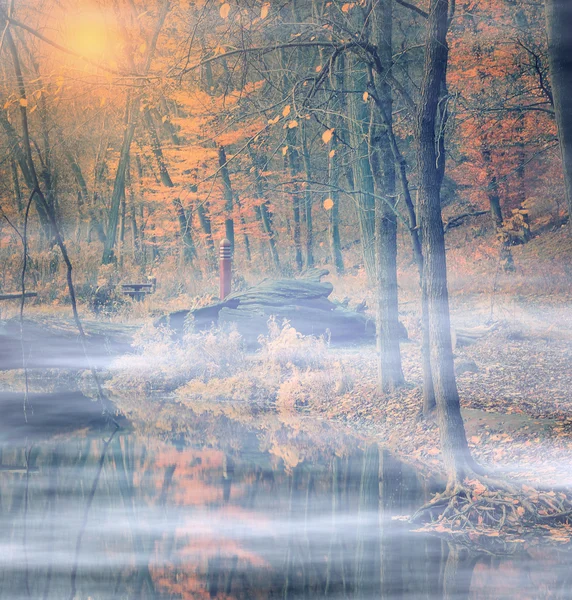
<point>559,29</point>
<point>456,455</point>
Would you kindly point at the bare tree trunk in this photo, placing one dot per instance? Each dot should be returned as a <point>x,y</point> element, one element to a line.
<point>245,239</point>
<point>24,156</point>
<point>131,111</point>
<point>308,201</point>
<point>95,223</point>
<point>133,217</point>
<point>189,250</point>
<point>495,208</point>
<point>559,29</point>
<point>294,165</point>
<point>383,169</point>
<point>262,212</point>
<point>16,185</point>
<point>454,446</point>
<point>228,196</point>
<point>334,213</point>
<point>362,175</point>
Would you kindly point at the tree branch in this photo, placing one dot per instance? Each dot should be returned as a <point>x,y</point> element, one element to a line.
<point>456,221</point>
<point>412,7</point>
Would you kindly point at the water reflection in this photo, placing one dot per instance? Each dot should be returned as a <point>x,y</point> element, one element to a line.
<point>228,509</point>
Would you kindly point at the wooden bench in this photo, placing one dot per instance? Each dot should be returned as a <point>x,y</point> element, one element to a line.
<point>138,291</point>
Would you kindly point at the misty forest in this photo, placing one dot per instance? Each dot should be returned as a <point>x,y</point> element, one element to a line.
<point>285,298</point>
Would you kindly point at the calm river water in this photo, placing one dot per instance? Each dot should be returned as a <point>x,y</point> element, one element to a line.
<point>223,503</point>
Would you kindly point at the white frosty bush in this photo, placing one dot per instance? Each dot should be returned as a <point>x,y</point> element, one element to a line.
<point>284,346</point>
<point>164,364</point>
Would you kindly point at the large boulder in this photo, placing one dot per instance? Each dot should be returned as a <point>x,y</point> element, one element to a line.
<point>303,302</point>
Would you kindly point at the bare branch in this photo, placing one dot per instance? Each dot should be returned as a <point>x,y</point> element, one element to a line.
<point>412,7</point>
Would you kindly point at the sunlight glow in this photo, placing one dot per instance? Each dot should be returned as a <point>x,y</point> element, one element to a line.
<point>89,35</point>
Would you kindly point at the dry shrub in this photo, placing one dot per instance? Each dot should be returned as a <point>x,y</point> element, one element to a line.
<point>302,388</point>
<point>164,364</point>
<point>290,369</point>
<point>244,387</point>
<point>285,347</point>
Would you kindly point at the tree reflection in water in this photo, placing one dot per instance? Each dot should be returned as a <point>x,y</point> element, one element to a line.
<point>231,510</point>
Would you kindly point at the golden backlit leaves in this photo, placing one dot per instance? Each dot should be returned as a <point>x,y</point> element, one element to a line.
<point>293,124</point>
<point>328,204</point>
<point>265,10</point>
<point>225,10</point>
<point>286,110</point>
<point>328,135</point>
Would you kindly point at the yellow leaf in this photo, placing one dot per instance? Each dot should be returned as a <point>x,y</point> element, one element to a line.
<point>292,124</point>
<point>225,10</point>
<point>23,102</point>
<point>286,111</point>
<point>284,150</point>
<point>346,7</point>
<point>318,68</point>
<point>265,10</point>
<point>328,203</point>
<point>365,96</point>
<point>332,153</point>
<point>327,135</point>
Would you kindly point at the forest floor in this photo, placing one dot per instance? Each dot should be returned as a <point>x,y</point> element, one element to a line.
<point>517,407</point>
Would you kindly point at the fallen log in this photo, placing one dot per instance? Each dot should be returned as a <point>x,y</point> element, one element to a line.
<point>18,296</point>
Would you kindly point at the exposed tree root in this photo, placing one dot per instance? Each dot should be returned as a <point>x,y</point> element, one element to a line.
<point>490,506</point>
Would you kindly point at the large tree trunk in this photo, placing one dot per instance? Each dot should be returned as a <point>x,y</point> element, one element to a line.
<point>454,446</point>
<point>559,29</point>
<point>428,392</point>
<point>383,168</point>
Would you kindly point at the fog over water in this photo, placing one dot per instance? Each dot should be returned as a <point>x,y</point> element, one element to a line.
<point>224,512</point>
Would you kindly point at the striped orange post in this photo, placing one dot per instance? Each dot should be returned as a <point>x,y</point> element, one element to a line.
<point>225,268</point>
